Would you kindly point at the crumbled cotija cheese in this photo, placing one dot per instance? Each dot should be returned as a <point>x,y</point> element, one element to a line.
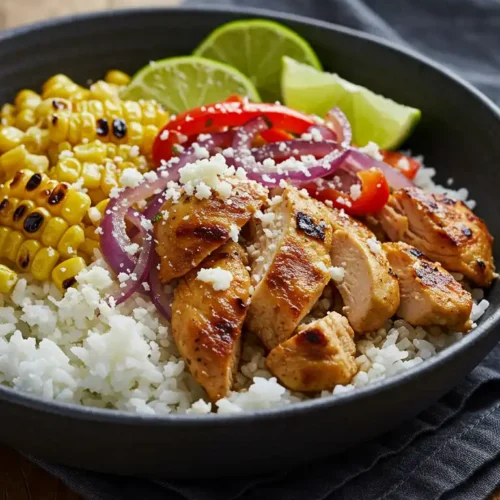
<point>234,232</point>
<point>337,273</point>
<point>355,191</point>
<point>131,178</point>
<point>218,277</point>
<point>372,149</point>
<point>374,245</point>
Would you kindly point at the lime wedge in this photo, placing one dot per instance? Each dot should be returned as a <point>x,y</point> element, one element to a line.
<point>256,48</point>
<point>183,83</point>
<point>372,116</point>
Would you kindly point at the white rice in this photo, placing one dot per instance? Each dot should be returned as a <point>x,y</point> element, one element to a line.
<point>124,358</point>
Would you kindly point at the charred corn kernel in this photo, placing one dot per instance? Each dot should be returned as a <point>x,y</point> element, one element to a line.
<point>26,254</point>
<point>103,91</point>
<point>75,206</point>
<point>64,274</point>
<point>36,222</point>
<point>7,209</point>
<point>117,77</point>
<point>8,279</point>
<point>36,140</point>
<point>92,152</point>
<point>88,247</point>
<point>91,175</point>
<point>17,186</point>
<point>11,245</point>
<point>27,99</point>
<point>108,179</point>
<point>4,233</point>
<point>96,195</point>
<point>68,170</point>
<point>150,133</point>
<point>90,233</point>
<point>52,105</point>
<point>43,263</point>
<point>10,137</point>
<point>22,211</point>
<point>70,241</point>
<point>53,231</point>
<point>58,127</point>
<point>25,119</point>
<point>43,196</point>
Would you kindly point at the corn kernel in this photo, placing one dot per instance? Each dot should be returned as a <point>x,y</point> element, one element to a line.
<point>88,247</point>
<point>108,179</point>
<point>101,206</point>
<point>132,111</point>
<point>12,161</point>
<point>68,170</point>
<point>22,211</point>
<point>71,241</point>
<point>8,279</point>
<point>7,208</point>
<point>103,91</point>
<point>52,105</point>
<point>135,132</point>
<point>36,222</point>
<point>64,274</point>
<point>91,175</point>
<point>75,206</point>
<point>10,137</point>
<point>53,231</point>
<point>17,186</point>
<point>90,233</point>
<point>88,127</point>
<point>96,195</point>
<point>117,77</point>
<point>44,262</point>
<point>74,128</point>
<point>37,163</point>
<point>25,119</point>
<point>93,152</point>
<point>26,254</point>
<point>36,140</point>
<point>42,196</point>
<point>150,133</point>
<point>11,245</point>
<point>4,234</point>
<point>27,99</point>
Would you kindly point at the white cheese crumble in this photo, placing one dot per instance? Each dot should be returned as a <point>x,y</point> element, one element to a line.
<point>132,249</point>
<point>374,245</point>
<point>218,277</point>
<point>355,191</point>
<point>147,224</point>
<point>372,149</point>
<point>131,178</point>
<point>94,214</point>
<point>404,164</point>
<point>337,273</point>
<point>234,232</point>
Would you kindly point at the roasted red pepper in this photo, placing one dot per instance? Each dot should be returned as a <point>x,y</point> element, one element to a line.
<point>220,116</point>
<point>374,194</point>
<point>405,164</point>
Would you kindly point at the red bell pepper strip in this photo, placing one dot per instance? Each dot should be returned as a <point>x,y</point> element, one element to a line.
<point>405,164</point>
<point>374,194</point>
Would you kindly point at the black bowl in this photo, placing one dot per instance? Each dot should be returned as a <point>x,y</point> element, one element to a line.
<point>458,134</point>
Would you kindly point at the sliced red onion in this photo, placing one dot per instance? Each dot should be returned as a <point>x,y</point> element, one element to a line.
<point>161,299</point>
<point>339,123</point>
<point>322,168</point>
<point>357,160</point>
<point>296,148</point>
<point>326,133</point>
<point>242,141</point>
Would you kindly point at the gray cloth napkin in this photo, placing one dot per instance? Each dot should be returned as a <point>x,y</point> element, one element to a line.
<point>451,450</point>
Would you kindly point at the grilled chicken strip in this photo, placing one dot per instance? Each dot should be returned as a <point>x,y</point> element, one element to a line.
<point>445,230</point>
<point>191,229</point>
<point>319,357</point>
<point>429,294</point>
<point>206,323</point>
<point>369,288</point>
<point>293,259</point>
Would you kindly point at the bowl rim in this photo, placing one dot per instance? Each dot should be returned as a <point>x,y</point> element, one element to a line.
<point>92,414</point>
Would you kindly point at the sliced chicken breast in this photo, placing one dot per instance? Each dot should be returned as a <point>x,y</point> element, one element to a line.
<point>189,230</point>
<point>445,230</point>
<point>369,287</point>
<point>429,294</point>
<point>207,322</point>
<point>318,357</point>
<point>290,261</point>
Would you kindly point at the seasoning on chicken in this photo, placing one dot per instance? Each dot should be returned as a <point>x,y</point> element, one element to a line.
<point>319,357</point>
<point>207,320</point>
<point>369,287</point>
<point>191,229</point>
<point>430,295</point>
<point>290,263</point>
<point>445,230</point>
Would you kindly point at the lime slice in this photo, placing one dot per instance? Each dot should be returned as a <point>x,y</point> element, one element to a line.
<point>372,116</point>
<point>183,83</point>
<point>256,48</point>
